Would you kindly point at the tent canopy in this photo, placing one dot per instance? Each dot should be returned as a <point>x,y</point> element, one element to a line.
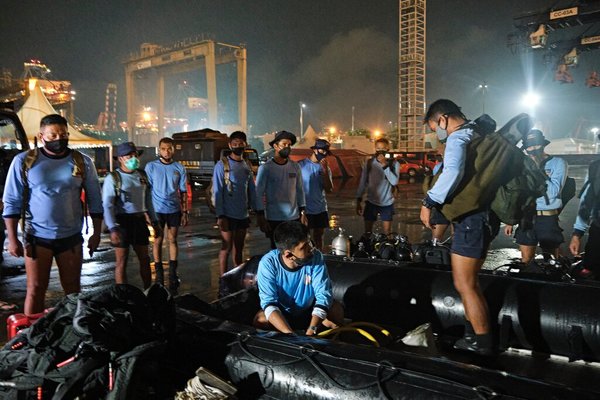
<point>36,107</point>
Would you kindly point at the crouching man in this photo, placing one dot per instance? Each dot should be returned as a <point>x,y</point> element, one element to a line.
<point>293,285</point>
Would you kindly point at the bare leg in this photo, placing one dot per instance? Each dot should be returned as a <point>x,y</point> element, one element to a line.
<point>38,275</point>
<point>145,272</point>
<point>69,269</point>
<point>237,252</point>
<point>369,226</point>
<point>226,245</point>
<point>527,253</point>
<point>157,247</point>
<point>438,232</point>
<point>466,282</point>
<point>335,315</point>
<point>121,255</point>
<point>172,239</point>
<point>317,236</point>
<point>387,227</point>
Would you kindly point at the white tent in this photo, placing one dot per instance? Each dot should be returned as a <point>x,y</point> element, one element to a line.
<point>36,107</point>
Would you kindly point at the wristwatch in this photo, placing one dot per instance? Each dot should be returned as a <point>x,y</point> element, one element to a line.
<point>426,204</point>
<point>313,328</point>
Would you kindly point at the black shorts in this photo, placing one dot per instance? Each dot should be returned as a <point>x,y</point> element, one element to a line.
<point>134,230</point>
<point>316,221</point>
<point>472,235</point>
<point>546,231</point>
<point>172,220</point>
<point>437,218</point>
<point>57,246</point>
<point>237,224</point>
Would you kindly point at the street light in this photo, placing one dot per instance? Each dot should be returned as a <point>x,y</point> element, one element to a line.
<point>302,107</point>
<point>530,100</point>
<point>594,131</point>
<point>483,88</point>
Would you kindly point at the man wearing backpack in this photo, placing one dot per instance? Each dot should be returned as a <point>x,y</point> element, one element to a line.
<point>588,216</point>
<point>234,193</point>
<point>472,233</point>
<point>168,183</point>
<point>378,179</point>
<point>545,230</point>
<point>316,178</point>
<point>43,188</point>
<point>128,210</point>
<point>279,189</point>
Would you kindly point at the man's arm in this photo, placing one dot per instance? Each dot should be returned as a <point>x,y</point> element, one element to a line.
<point>93,196</point>
<point>454,164</point>
<point>586,204</point>
<point>15,247</point>
<point>326,176</point>
<point>392,172</point>
<point>267,292</point>
<point>557,179</point>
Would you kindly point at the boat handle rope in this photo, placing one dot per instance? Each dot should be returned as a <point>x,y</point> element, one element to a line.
<point>336,332</point>
<point>307,351</point>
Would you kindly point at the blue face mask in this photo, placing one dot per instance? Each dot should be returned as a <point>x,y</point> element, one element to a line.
<point>132,164</point>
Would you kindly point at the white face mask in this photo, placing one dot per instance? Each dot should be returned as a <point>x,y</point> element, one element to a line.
<point>442,133</point>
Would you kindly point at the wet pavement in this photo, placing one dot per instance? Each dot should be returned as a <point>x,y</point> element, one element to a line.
<point>199,244</point>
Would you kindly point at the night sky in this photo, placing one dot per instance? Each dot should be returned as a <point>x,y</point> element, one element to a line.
<point>331,55</point>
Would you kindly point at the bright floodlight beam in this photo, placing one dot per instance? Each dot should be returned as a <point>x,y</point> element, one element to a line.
<point>530,100</point>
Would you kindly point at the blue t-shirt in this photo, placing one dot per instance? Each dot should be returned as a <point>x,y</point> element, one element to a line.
<point>556,171</point>
<point>279,190</point>
<point>168,181</point>
<point>312,180</point>
<point>55,194</point>
<point>379,183</point>
<point>293,291</point>
<point>135,197</point>
<point>233,200</point>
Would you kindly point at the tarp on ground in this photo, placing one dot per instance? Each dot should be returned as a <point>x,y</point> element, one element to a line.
<point>36,107</point>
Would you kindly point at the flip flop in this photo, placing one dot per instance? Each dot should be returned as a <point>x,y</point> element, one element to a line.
<point>4,306</point>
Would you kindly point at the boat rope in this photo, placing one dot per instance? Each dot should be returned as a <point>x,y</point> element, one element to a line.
<point>485,393</point>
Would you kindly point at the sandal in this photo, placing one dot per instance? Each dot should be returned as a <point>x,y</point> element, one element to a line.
<point>4,306</point>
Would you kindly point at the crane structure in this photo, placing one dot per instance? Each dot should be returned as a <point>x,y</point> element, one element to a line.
<point>411,75</point>
<point>534,30</point>
<point>184,56</point>
<point>107,120</point>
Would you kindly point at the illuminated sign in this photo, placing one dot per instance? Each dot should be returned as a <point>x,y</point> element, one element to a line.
<point>590,40</point>
<point>143,64</point>
<point>564,13</point>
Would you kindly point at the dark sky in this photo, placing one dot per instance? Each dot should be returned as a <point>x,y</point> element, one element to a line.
<point>332,55</point>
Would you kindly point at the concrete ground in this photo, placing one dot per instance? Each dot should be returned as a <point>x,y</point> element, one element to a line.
<point>199,244</point>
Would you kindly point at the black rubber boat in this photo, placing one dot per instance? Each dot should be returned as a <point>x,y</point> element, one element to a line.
<point>542,324</point>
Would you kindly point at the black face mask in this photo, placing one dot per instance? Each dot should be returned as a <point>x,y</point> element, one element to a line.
<point>238,151</point>
<point>303,261</point>
<point>320,156</point>
<point>285,152</point>
<point>380,153</point>
<point>536,152</point>
<point>57,146</point>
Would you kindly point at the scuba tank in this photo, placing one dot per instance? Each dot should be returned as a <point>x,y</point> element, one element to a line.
<point>361,252</point>
<point>403,249</point>
<point>340,246</point>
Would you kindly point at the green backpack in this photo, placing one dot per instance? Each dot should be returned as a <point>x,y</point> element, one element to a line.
<point>497,175</point>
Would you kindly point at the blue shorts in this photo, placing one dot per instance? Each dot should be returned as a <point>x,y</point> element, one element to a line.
<point>386,213</point>
<point>472,236</point>
<point>545,231</point>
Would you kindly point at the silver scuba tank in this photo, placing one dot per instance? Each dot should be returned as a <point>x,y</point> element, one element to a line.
<point>340,246</point>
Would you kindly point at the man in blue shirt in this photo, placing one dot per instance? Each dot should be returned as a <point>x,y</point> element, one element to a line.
<point>472,234</point>
<point>234,194</point>
<point>545,230</point>
<point>293,285</point>
<point>168,182</point>
<point>128,210</point>
<point>588,216</point>
<point>279,188</point>
<point>316,179</point>
<point>379,177</point>
<point>51,196</point>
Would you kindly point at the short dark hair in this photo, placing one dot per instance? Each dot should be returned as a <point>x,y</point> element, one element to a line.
<point>53,119</point>
<point>238,135</point>
<point>443,107</point>
<point>167,140</point>
<point>383,140</point>
<point>289,234</point>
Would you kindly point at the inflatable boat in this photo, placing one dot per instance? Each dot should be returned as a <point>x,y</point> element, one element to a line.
<point>547,329</point>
